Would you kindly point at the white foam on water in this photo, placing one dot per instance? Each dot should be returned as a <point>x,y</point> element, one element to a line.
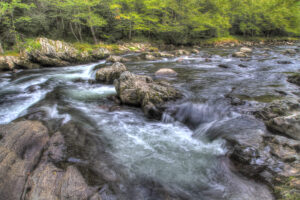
<point>12,111</point>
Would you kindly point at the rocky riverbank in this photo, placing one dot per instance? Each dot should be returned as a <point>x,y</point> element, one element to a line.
<point>44,52</point>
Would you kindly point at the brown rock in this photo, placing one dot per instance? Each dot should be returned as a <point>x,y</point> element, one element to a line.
<point>21,146</point>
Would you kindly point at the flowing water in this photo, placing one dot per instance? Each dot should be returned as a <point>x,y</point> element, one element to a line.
<point>147,159</point>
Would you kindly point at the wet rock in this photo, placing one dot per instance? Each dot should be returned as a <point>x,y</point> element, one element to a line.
<point>246,50</point>
<point>163,55</point>
<point>239,55</point>
<point>284,62</point>
<point>290,51</point>
<point>149,57</point>
<point>282,117</point>
<point>195,51</point>
<point>109,74</point>
<point>100,53</point>
<point>21,147</point>
<point>207,60</point>
<point>287,125</point>
<point>224,66</point>
<point>114,59</point>
<point>259,155</point>
<point>165,72</point>
<point>181,52</point>
<point>295,78</point>
<point>143,91</point>
<point>243,66</point>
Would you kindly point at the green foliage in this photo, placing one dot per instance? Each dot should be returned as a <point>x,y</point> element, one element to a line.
<point>30,45</point>
<point>170,21</point>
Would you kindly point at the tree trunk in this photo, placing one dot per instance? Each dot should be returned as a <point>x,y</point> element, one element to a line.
<point>72,30</point>
<point>130,30</point>
<point>94,35</point>
<point>79,32</point>
<point>1,49</point>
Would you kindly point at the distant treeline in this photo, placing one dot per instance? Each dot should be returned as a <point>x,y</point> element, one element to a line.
<point>171,21</point>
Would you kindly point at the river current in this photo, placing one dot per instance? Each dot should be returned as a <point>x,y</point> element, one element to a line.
<point>149,159</point>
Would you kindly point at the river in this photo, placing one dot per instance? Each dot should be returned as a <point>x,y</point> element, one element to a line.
<point>141,158</point>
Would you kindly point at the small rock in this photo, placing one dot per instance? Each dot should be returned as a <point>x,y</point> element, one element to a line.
<point>181,52</point>
<point>114,59</point>
<point>223,66</point>
<point>239,55</point>
<point>246,50</point>
<point>165,72</point>
<point>195,51</point>
<point>243,66</point>
<point>284,62</point>
<point>149,57</point>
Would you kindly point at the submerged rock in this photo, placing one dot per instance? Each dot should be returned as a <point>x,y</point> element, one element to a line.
<point>295,78</point>
<point>165,72</point>
<point>142,91</point>
<point>109,74</point>
<point>224,66</point>
<point>290,51</point>
<point>284,62</point>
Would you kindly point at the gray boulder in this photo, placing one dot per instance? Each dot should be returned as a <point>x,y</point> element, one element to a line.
<point>109,74</point>
<point>142,91</point>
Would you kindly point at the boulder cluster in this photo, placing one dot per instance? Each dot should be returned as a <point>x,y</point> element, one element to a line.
<point>139,90</point>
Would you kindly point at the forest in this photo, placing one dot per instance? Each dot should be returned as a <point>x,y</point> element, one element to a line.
<point>168,21</point>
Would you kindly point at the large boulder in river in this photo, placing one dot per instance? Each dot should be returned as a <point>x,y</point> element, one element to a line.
<point>142,91</point>
<point>165,72</point>
<point>110,73</point>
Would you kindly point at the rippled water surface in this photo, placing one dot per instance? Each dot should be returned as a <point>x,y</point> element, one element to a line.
<point>148,159</point>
